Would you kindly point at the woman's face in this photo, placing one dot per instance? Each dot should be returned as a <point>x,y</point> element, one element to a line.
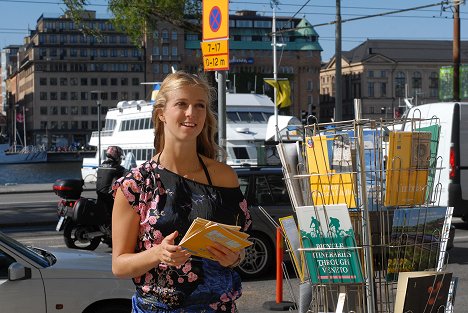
<point>185,113</point>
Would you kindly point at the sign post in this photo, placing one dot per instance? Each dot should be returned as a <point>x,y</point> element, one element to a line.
<point>215,50</point>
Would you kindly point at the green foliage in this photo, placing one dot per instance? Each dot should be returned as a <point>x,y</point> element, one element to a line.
<point>137,17</point>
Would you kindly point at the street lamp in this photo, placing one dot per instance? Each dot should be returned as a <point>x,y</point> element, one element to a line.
<point>98,102</point>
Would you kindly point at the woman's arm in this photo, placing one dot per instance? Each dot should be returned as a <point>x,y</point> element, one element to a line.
<point>125,226</point>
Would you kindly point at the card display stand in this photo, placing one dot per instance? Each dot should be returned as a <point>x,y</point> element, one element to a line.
<point>365,195</point>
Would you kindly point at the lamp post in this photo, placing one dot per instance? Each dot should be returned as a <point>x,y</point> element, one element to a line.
<point>98,102</point>
<point>99,130</point>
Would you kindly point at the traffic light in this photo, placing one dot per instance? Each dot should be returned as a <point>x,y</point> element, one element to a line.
<point>304,115</point>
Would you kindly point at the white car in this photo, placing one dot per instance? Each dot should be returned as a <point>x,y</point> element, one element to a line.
<point>65,281</point>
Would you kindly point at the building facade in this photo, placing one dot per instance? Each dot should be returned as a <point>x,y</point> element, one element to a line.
<point>250,55</point>
<point>382,73</point>
<point>64,77</point>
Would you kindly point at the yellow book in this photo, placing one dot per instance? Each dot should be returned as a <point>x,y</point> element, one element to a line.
<point>407,168</point>
<point>330,165</point>
<point>202,233</point>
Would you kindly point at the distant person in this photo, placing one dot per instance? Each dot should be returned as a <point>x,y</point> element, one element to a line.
<point>156,203</point>
<point>108,172</point>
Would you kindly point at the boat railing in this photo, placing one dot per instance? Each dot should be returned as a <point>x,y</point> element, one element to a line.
<point>104,133</point>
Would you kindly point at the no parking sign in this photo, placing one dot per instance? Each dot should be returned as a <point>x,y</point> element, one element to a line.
<point>215,19</point>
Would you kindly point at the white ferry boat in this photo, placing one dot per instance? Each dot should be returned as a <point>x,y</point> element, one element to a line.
<point>129,126</point>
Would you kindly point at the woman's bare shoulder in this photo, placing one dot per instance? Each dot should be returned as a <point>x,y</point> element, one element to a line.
<point>222,175</point>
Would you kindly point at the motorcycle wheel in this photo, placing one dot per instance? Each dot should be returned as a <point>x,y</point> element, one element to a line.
<point>74,238</point>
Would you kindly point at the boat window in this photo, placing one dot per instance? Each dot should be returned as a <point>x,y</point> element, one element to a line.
<point>132,125</point>
<point>245,116</point>
<point>257,117</point>
<point>232,117</point>
<point>240,152</point>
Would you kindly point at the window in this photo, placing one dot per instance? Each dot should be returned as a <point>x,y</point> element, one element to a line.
<point>63,110</point>
<point>433,84</point>
<point>416,83</point>
<point>73,95</point>
<point>63,81</point>
<point>244,23</point>
<point>370,74</point>
<point>74,110</point>
<point>94,81</point>
<point>400,81</point>
<point>53,95</point>
<point>135,81</point>
<point>174,51</point>
<point>383,89</point>
<point>84,81</point>
<point>53,81</point>
<point>271,190</point>
<point>113,81</point>
<point>84,110</point>
<point>54,110</point>
<point>174,35</point>
<point>43,81</point>
<point>63,95</point>
<point>43,110</point>
<point>84,95</point>
<point>103,81</point>
<point>43,95</point>
<point>124,81</point>
<point>165,50</point>
<point>114,95</point>
<point>370,89</point>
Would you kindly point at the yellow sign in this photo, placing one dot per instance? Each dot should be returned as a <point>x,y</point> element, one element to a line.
<point>216,62</point>
<point>215,47</point>
<point>215,19</point>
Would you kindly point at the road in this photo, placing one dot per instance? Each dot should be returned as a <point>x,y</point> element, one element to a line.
<point>256,292</point>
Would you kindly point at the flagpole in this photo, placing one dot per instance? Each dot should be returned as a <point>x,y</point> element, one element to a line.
<point>275,75</point>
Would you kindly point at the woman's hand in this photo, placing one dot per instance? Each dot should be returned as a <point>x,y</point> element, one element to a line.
<point>225,256</point>
<point>172,254</point>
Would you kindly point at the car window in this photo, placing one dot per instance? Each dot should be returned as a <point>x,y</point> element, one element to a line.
<point>278,189</point>
<point>5,261</point>
<point>243,184</point>
<point>271,190</point>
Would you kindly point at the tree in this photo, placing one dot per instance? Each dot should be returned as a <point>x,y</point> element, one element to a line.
<point>136,17</point>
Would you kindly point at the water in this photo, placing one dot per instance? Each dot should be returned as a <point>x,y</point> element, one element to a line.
<point>38,173</point>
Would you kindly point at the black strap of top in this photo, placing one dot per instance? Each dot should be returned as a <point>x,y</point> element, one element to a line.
<point>207,174</point>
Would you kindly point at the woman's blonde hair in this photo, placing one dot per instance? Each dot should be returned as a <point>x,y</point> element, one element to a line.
<point>206,144</point>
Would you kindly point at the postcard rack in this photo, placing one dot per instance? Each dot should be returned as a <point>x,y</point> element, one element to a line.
<point>365,195</point>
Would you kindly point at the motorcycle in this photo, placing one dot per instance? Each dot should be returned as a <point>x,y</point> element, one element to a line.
<point>85,225</point>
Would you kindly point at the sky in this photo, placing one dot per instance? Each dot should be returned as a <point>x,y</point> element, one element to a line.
<point>435,22</point>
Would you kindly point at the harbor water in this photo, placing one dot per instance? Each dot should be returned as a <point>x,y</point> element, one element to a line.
<point>38,173</point>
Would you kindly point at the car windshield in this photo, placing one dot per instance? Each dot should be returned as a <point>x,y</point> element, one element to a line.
<point>38,256</point>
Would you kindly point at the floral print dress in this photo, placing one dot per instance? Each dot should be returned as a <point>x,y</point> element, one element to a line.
<point>167,202</point>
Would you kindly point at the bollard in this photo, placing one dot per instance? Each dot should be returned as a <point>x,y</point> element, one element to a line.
<point>279,304</point>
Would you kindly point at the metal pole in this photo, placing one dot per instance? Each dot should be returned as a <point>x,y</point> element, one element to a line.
<point>366,229</point>
<point>338,92</point>
<point>221,79</point>
<point>456,51</point>
<point>275,74</point>
<point>99,130</point>
<point>24,127</point>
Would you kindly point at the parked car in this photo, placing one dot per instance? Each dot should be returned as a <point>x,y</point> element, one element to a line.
<point>265,187</point>
<point>38,280</point>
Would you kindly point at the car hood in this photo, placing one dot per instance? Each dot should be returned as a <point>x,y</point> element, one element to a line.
<point>79,263</point>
